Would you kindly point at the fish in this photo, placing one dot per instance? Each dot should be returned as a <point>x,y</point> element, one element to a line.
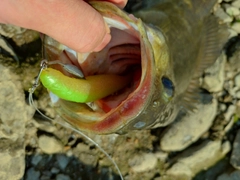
<point>163,48</point>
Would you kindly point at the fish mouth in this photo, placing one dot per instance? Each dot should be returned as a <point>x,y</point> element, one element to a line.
<point>128,52</point>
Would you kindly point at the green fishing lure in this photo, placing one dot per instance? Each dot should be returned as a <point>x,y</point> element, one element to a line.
<point>90,89</point>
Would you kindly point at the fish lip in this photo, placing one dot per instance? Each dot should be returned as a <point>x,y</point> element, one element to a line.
<point>118,118</point>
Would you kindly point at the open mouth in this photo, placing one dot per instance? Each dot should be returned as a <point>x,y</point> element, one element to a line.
<point>125,55</point>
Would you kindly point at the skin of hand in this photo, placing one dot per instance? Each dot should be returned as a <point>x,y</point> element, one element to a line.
<point>72,22</point>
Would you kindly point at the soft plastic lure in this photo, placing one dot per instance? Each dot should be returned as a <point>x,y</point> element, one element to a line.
<point>82,90</point>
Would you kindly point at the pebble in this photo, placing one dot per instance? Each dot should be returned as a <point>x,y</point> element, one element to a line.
<point>235,157</point>
<point>202,157</point>
<point>143,162</point>
<point>214,75</point>
<point>236,3</point>
<point>220,13</point>
<point>236,27</point>
<point>188,129</point>
<point>237,80</point>
<point>62,177</point>
<point>49,145</point>
<point>237,94</point>
<point>230,112</point>
<point>231,10</point>
<point>234,50</point>
<point>232,33</point>
<point>233,176</point>
<point>55,170</point>
<point>36,159</point>
<point>62,161</point>
<point>32,174</point>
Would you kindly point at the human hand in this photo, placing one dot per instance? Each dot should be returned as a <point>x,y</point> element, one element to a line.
<point>74,22</point>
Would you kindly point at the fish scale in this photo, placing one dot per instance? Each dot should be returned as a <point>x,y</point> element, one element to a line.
<point>178,40</point>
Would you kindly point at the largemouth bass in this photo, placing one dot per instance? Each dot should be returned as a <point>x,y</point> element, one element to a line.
<point>163,49</point>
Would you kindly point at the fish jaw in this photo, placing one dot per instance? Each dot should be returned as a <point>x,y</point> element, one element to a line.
<point>135,106</point>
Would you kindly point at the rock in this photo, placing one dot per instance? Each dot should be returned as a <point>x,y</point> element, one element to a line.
<point>32,174</point>
<point>233,52</point>
<point>143,162</point>
<point>62,177</point>
<point>231,10</point>
<point>236,3</point>
<point>237,81</point>
<point>49,145</point>
<point>236,27</point>
<point>235,157</point>
<point>19,35</point>
<point>232,33</point>
<point>196,159</point>
<point>14,114</point>
<point>223,16</point>
<point>189,128</point>
<point>62,161</point>
<point>5,45</point>
<point>230,111</point>
<point>214,75</point>
<point>237,95</point>
<point>55,170</point>
<point>233,176</point>
<point>36,159</point>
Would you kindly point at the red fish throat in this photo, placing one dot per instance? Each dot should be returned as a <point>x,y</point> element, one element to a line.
<point>126,53</point>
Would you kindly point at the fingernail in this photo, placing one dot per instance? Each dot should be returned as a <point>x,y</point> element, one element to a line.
<point>104,42</point>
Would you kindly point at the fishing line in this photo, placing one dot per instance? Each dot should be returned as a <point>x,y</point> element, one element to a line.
<point>36,83</point>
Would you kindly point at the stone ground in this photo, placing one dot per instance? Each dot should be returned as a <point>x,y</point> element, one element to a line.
<point>32,148</point>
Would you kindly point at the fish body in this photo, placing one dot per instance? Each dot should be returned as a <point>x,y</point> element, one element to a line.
<point>166,45</point>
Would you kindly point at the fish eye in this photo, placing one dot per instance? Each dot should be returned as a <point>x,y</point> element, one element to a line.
<point>168,87</point>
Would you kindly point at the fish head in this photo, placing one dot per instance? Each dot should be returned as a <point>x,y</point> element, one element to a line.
<point>135,48</point>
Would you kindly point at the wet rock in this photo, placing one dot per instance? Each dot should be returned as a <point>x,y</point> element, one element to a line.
<point>36,159</point>
<point>50,145</point>
<point>62,177</point>
<point>62,161</point>
<point>13,116</point>
<point>189,128</point>
<point>55,170</point>
<point>214,75</point>
<point>235,157</point>
<point>202,157</point>
<point>143,162</point>
<point>233,176</point>
<point>32,174</point>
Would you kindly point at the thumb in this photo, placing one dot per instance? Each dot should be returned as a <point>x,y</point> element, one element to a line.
<point>73,23</point>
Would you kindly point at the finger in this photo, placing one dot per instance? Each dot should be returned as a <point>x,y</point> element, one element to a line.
<point>119,3</point>
<point>73,23</point>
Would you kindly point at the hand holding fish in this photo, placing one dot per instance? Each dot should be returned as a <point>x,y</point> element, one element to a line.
<point>74,23</point>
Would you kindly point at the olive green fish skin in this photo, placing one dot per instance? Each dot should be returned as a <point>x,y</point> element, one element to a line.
<point>183,29</point>
<point>194,40</point>
<point>178,40</point>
